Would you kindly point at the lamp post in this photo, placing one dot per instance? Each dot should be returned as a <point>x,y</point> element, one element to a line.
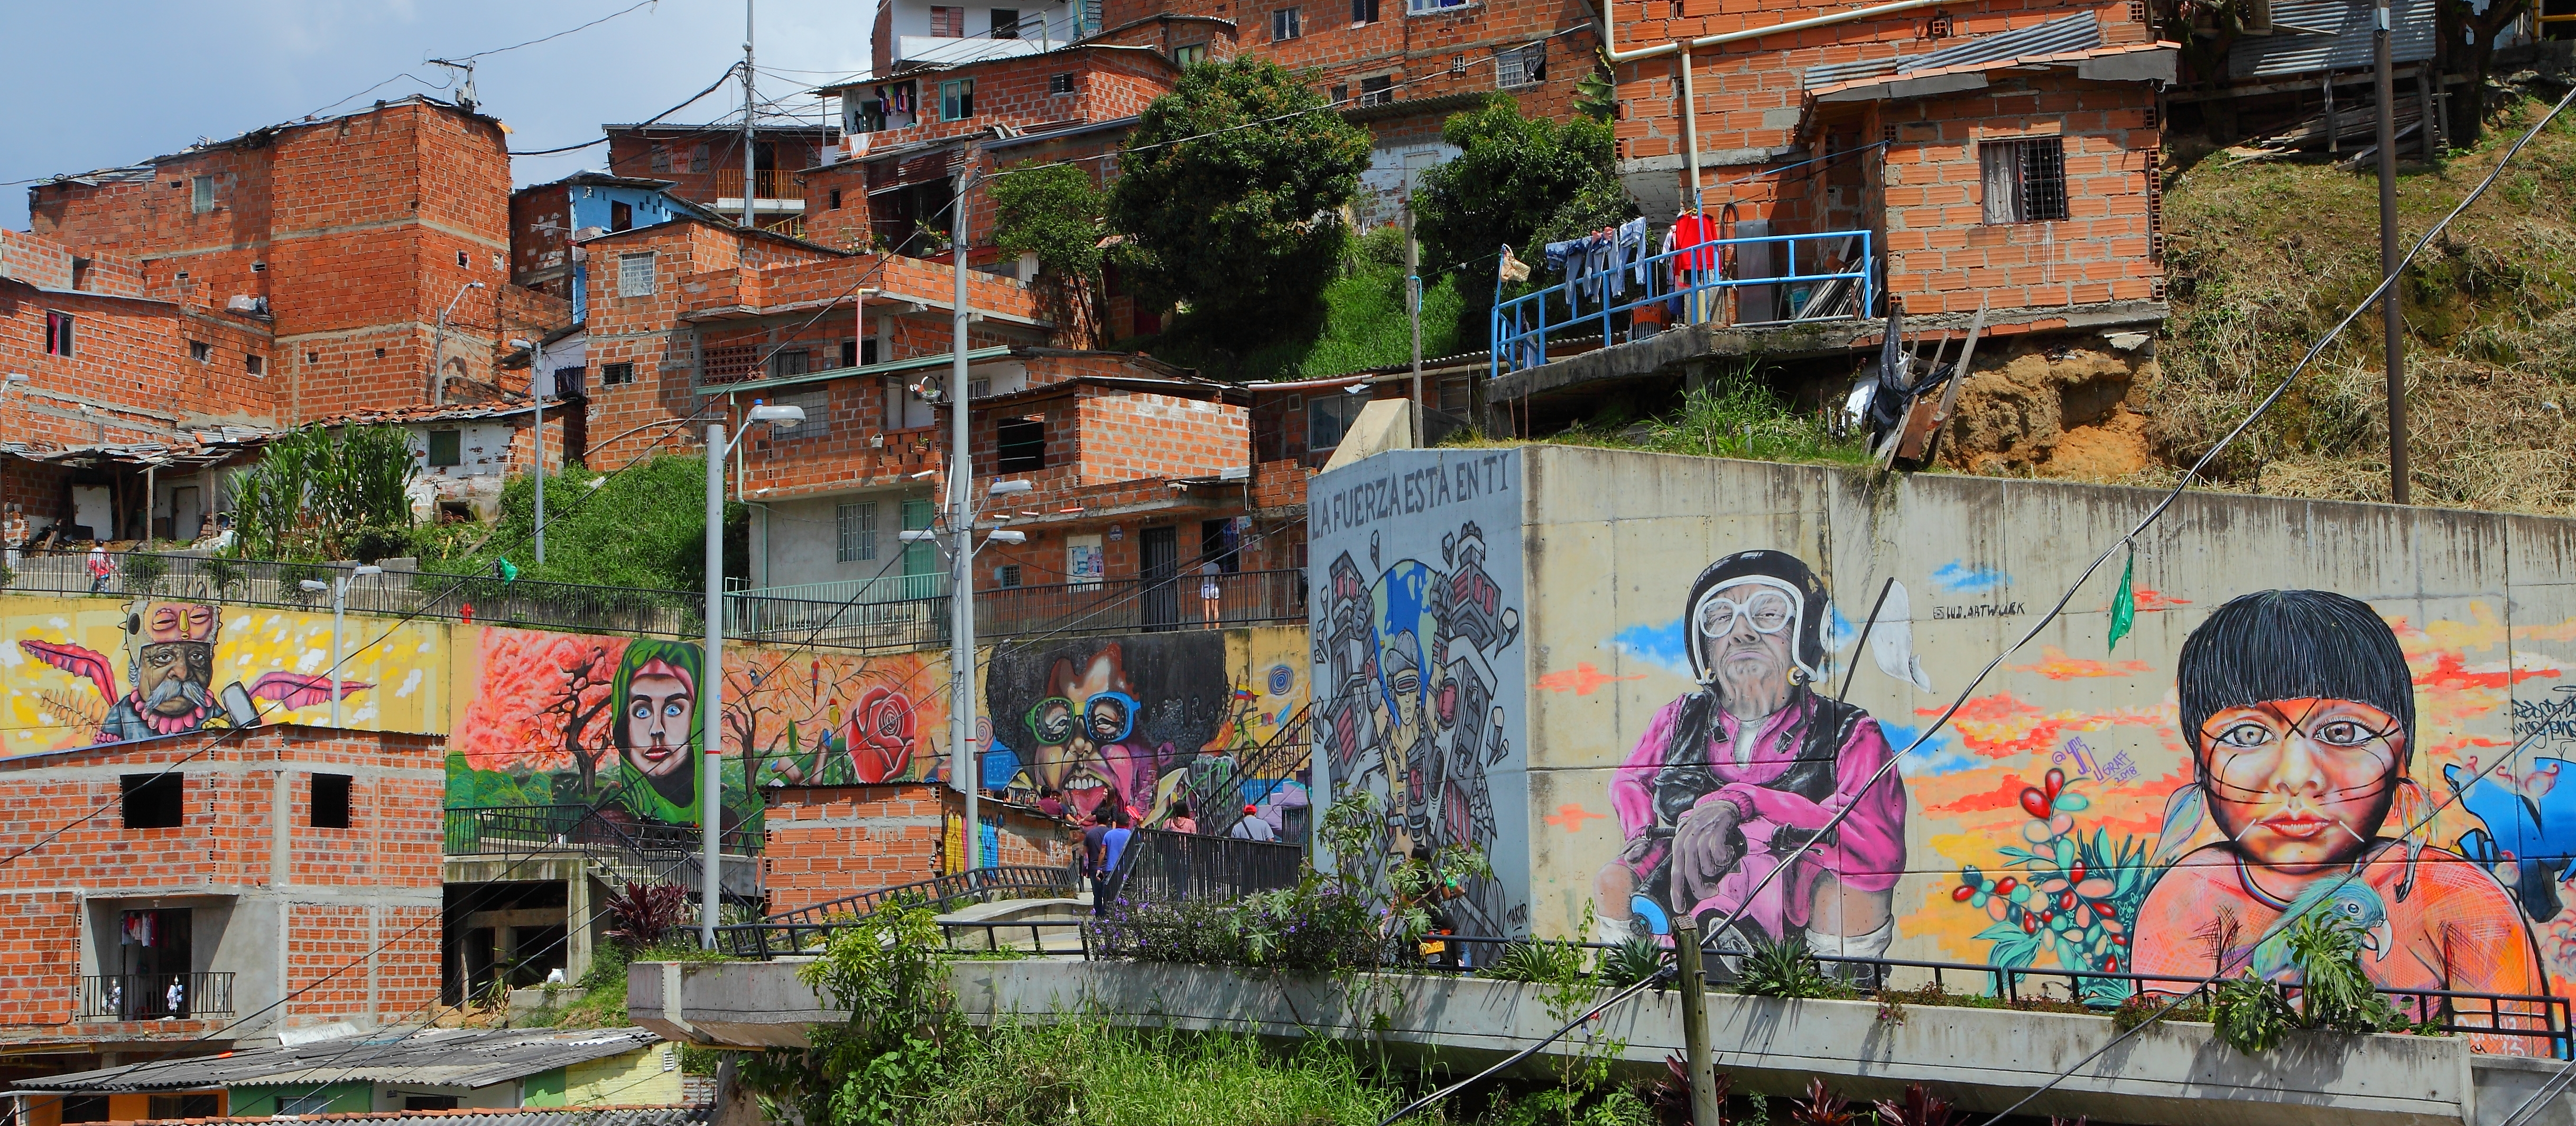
<point>339,589</point>
<point>711,671</point>
<point>438,348</point>
<point>963,767</point>
<point>15,381</point>
<point>537,390</point>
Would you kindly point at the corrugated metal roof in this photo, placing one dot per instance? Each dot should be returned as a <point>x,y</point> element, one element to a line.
<point>444,1056</point>
<point>566,1116</point>
<point>2318,35</point>
<point>2063,35</point>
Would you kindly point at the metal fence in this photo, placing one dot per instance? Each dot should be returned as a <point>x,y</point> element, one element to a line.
<point>1835,264</point>
<point>1287,751</point>
<point>809,928</point>
<point>635,851</point>
<point>860,619</point>
<point>155,996</point>
<point>1167,867</point>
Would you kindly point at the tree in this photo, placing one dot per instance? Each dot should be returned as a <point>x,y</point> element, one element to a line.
<point>314,496</point>
<point>1230,197</point>
<point>1514,178</point>
<point>1054,211</point>
<point>2460,29</point>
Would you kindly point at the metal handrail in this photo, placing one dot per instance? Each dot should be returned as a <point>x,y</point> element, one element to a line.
<point>155,996</point>
<point>1221,811</point>
<point>807,928</point>
<point>1519,326</point>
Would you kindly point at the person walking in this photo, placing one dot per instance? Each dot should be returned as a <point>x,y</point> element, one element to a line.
<point>1095,848</point>
<point>1113,845</point>
<point>99,568</point>
<point>1211,593</point>
<point>1252,827</point>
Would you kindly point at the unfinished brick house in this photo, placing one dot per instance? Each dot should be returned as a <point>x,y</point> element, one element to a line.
<point>238,886</point>
<point>704,163</point>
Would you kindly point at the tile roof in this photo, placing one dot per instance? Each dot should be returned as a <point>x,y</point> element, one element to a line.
<point>444,1056</point>
<point>562,1116</point>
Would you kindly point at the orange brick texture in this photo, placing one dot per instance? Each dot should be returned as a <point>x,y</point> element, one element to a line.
<point>827,843</point>
<point>331,881</point>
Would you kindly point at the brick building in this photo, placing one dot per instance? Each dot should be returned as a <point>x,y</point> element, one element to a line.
<point>828,842</point>
<point>234,886</point>
<point>703,163</point>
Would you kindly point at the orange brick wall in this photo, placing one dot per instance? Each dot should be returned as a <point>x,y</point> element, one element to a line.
<point>826,843</point>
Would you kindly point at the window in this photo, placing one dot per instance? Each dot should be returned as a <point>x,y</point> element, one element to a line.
<point>816,404</point>
<point>1424,7</point>
<point>446,448</point>
<point>258,365</point>
<point>80,271</point>
<point>428,1102</point>
<point>621,216</point>
<point>1377,91</point>
<point>957,99</point>
<point>1521,66</point>
<point>316,1103</point>
<point>660,160</point>
<point>462,262</point>
<point>1363,11</point>
<point>568,383</point>
<point>698,159</point>
<point>1020,444</point>
<point>159,801</point>
<point>1059,84</point>
<point>200,351</point>
<point>1283,25</point>
<point>1338,94</point>
<point>201,194</point>
<point>947,23</point>
<point>1457,66</point>
<point>330,801</point>
<point>1190,55</point>
<point>789,361</point>
<point>2025,180</point>
<point>611,375</point>
<point>1328,418</point>
<point>1006,575</point>
<point>855,526</point>
<point>84,1108</point>
<point>834,202</point>
<point>1006,23</point>
<point>58,334</point>
<point>635,275</point>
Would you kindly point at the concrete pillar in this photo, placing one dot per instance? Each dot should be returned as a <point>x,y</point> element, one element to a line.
<point>281,876</point>
<point>577,925</point>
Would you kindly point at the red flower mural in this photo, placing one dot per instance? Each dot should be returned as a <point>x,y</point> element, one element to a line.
<point>881,736</point>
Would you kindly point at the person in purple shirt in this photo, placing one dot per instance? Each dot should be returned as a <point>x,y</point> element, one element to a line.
<point>1730,781</point>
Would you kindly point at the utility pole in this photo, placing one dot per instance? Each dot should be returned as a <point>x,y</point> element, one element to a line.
<point>961,592</point>
<point>540,381</point>
<point>1413,305</point>
<point>2392,316</point>
<point>1703,1073</point>
<point>749,189</point>
<point>710,701</point>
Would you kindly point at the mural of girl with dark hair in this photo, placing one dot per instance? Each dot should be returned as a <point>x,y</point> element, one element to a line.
<point>1729,781</point>
<point>658,731</point>
<point>2300,714</point>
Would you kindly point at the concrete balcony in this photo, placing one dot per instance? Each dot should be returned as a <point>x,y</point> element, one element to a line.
<point>1985,1059</point>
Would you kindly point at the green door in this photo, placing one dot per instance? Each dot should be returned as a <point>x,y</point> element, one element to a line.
<point>920,560</point>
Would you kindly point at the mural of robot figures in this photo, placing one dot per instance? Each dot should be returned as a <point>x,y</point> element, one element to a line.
<point>1729,782</point>
<point>1413,720</point>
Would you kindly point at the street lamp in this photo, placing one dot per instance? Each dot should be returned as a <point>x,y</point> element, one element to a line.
<point>711,674</point>
<point>962,765</point>
<point>537,391</point>
<point>339,589</point>
<point>438,347</point>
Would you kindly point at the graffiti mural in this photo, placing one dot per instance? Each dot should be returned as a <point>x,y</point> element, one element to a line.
<point>1742,776</point>
<point>1146,720</point>
<point>93,671</point>
<point>1419,640</point>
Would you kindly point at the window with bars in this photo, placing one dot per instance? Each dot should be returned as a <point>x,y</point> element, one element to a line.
<point>789,361</point>
<point>1425,7</point>
<point>201,194</point>
<point>1283,25</point>
<point>1060,83</point>
<point>2025,180</point>
<point>660,161</point>
<point>1377,91</point>
<point>1020,444</point>
<point>635,275</point>
<point>817,405</point>
<point>698,159</point>
<point>855,528</point>
<point>1525,65</point>
<point>610,375</point>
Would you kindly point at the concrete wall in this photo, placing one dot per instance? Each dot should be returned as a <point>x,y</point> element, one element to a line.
<point>2075,751</point>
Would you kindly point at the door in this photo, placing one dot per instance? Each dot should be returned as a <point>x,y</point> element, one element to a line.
<point>187,514</point>
<point>158,957</point>
<point>94,508</point>
<point>1160,570</point>
<point>920,560</point>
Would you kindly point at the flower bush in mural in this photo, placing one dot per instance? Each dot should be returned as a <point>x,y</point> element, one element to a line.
<point>2074,897</point>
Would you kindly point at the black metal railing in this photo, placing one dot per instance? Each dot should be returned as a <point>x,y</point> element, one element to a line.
<point>2526,1016</point>
<point>1102,606</point>
<point>155,996</point>
<point>1288,750</point>
<point>630,851</point>
<point>522,602</point>
<point>1029,939</point>
<point>1166,867</point>
<point>809,928</point>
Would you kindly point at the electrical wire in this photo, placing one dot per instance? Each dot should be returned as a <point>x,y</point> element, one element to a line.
<point>561,34</point>
<point>649,122</point>
<point>2056,610</point>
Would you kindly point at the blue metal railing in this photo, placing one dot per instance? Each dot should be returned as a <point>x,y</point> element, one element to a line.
<point>1521,324</point>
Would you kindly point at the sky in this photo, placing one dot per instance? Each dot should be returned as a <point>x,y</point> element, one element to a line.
<point>103,83</point>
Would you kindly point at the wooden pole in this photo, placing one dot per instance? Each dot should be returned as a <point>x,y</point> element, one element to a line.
<point>2392,316</point>
<point>1703,1074</point>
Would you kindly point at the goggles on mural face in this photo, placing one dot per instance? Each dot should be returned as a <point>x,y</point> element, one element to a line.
<point>1108,717</point>
<point>1773,608</point>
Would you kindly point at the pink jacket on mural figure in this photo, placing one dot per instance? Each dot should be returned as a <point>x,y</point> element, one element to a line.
<point>1867,851</point>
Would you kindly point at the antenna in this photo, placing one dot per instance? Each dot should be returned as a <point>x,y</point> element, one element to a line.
<point>465,98</point>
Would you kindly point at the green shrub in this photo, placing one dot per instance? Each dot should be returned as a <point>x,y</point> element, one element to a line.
<point>1783,969</point>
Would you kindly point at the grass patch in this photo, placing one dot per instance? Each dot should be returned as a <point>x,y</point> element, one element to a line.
<point>1734,415</point>
<point>598,1000</point>
<point>1082,1071</point>
<point>1363,326</point>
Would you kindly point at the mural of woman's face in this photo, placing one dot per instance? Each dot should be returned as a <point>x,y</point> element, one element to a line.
<point>2300,784</point>
<point>1080,706</point>
<point>655,719</point>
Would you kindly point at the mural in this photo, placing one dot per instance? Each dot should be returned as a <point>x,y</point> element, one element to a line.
<point>90,671</point>
<point>2269,713</point>
<point>1147,720</point>
<point>1421,644</point>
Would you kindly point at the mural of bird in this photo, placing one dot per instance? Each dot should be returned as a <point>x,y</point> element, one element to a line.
<point>2533,828</point>
<point>2357,903</point>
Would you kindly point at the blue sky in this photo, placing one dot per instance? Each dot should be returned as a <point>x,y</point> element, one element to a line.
<point>99,83</point>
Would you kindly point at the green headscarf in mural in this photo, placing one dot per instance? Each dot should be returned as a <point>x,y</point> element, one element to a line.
<point>659,729</point>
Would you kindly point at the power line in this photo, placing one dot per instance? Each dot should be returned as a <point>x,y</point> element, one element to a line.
<point>564,32</point>
<point>721,79</point>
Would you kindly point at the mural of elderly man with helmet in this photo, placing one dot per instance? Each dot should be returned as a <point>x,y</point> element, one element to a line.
<point>169,677</point>
<point>1738,779</point>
